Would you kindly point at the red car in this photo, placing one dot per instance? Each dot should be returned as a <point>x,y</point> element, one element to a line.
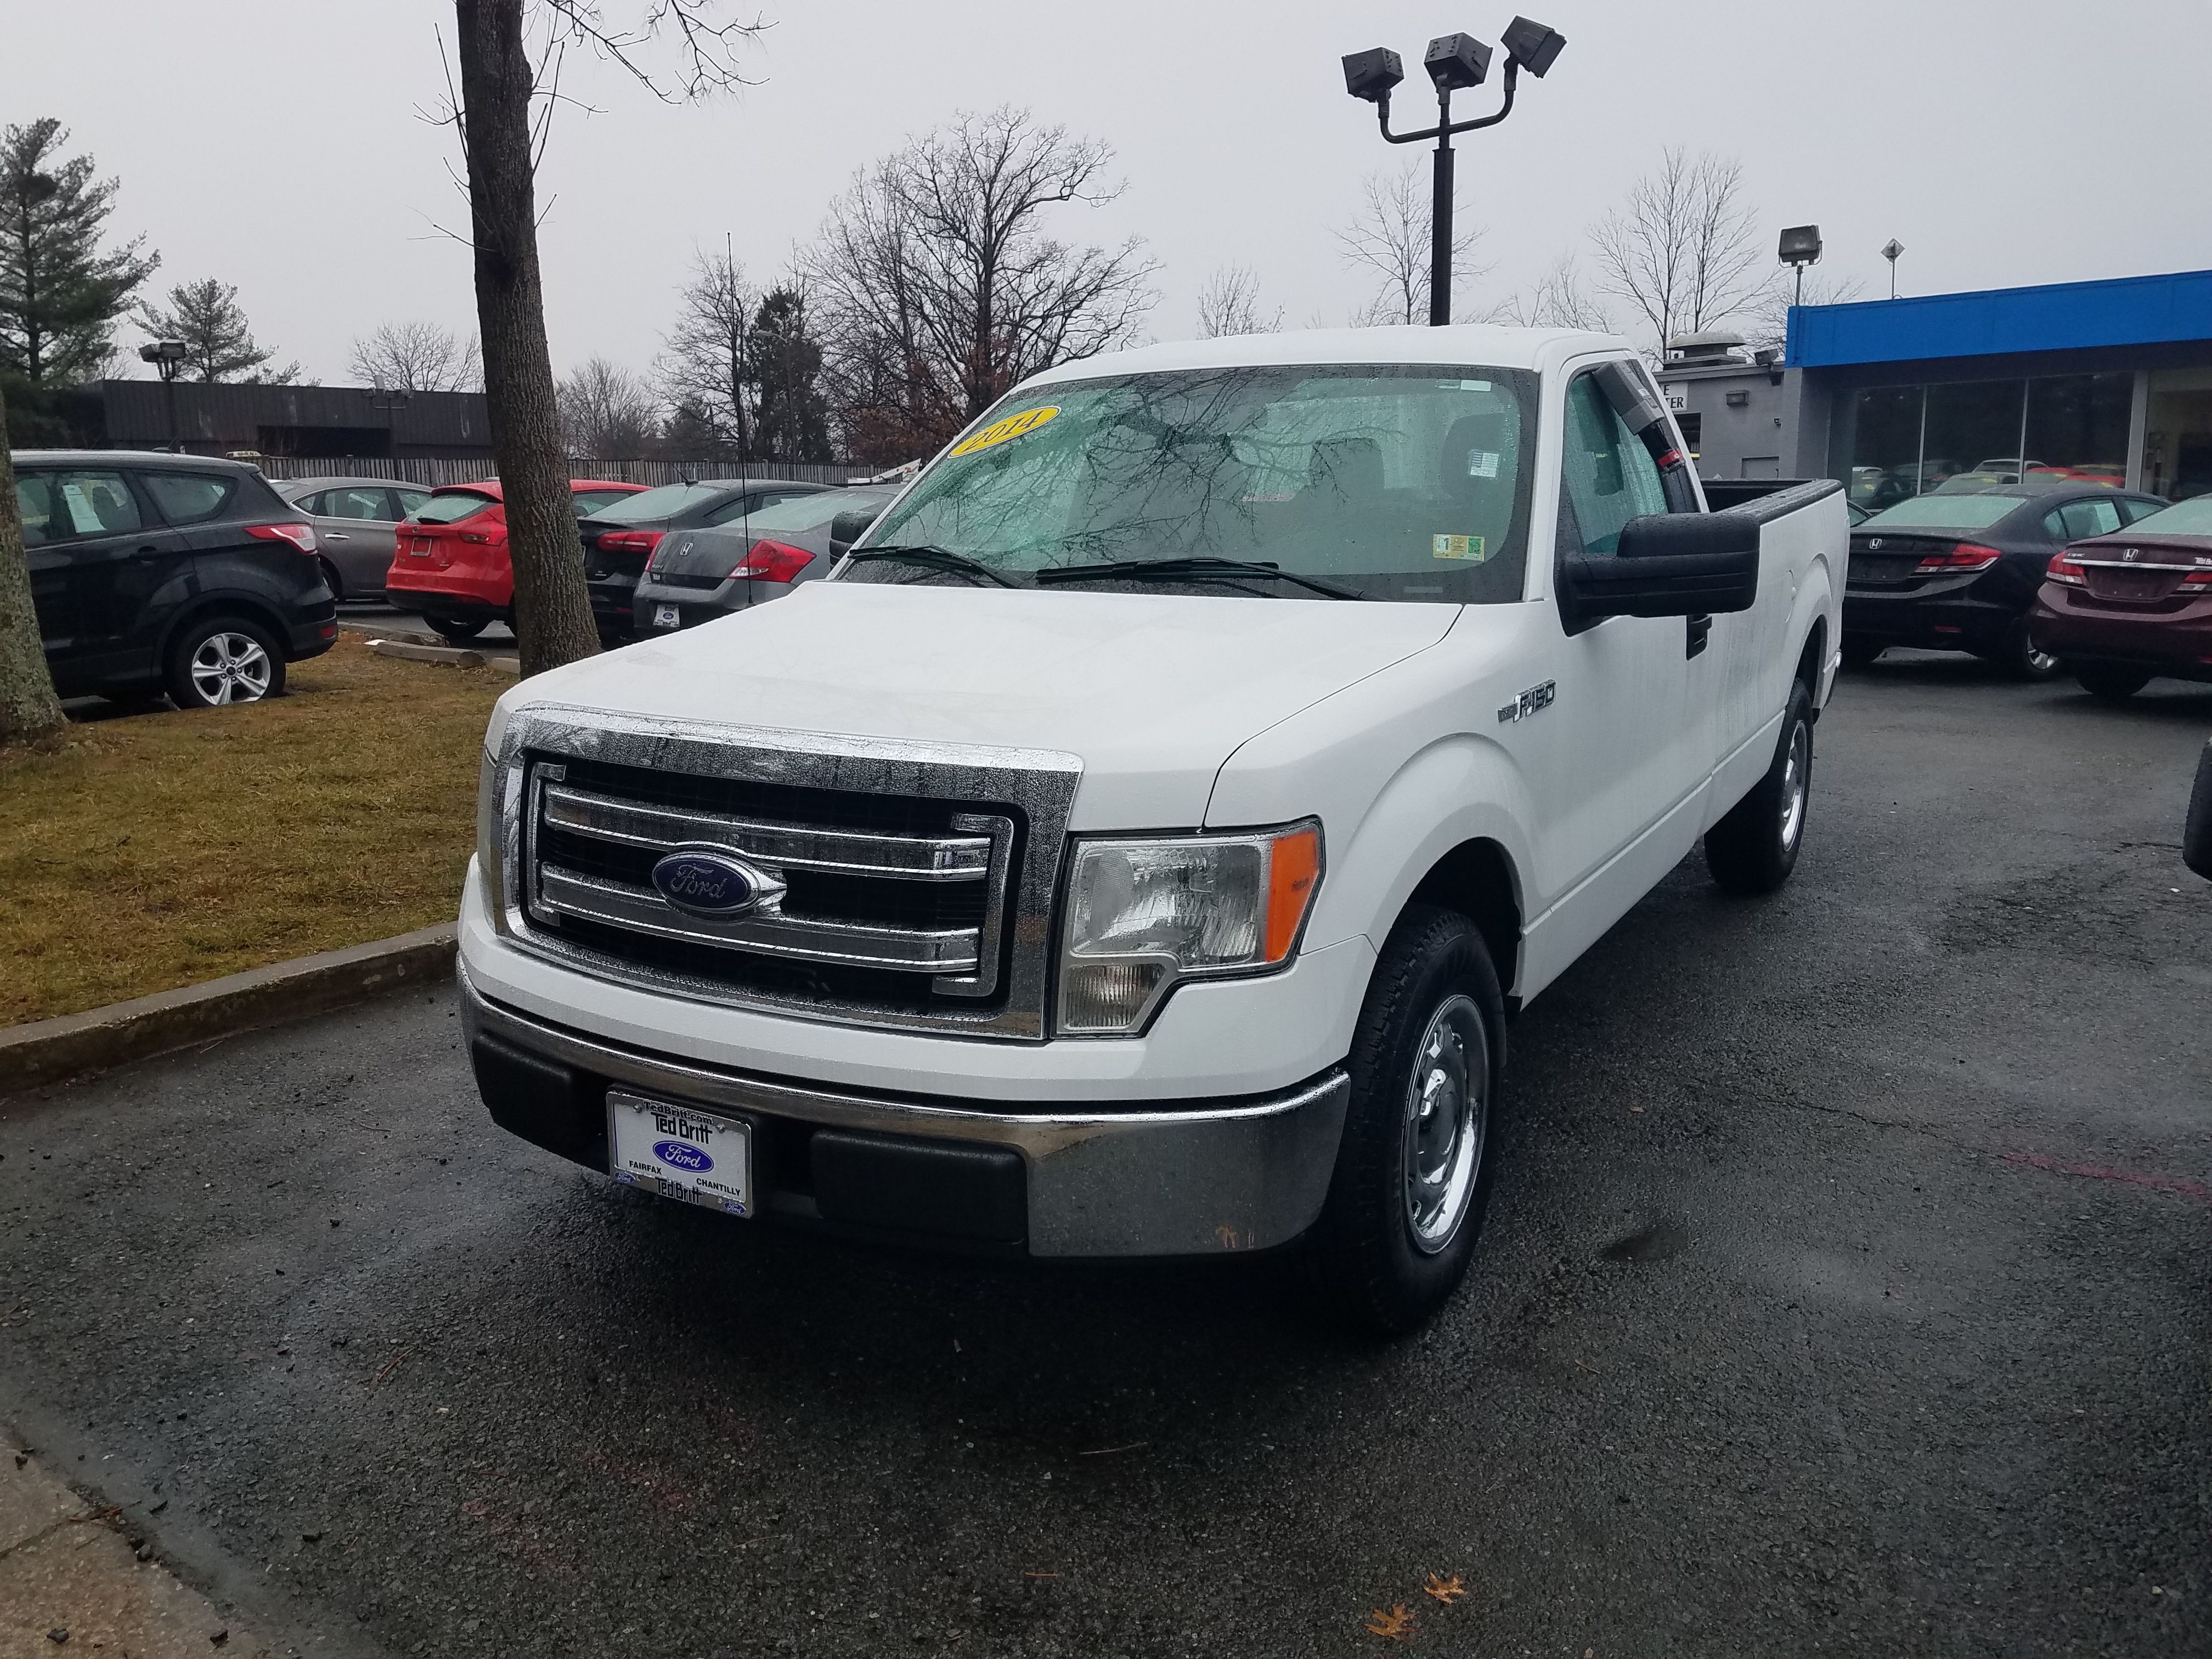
<point>450,560</point>
<point>2122,608</point>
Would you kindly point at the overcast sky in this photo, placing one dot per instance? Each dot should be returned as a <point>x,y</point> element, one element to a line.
<point>276,144</point>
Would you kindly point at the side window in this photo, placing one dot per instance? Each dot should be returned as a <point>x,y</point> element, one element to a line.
<point>1608,475</point>
<point>34,500</point>
<point>187,497</point>
<point>311,504</point>
<point>405,501</point>
<point>2078,518</point>
<point>745,505</point>
<point>2132,508</point>
<point>92,504</point>
<point>360,502</point>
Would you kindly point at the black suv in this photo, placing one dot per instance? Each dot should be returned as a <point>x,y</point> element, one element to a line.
<point>175,573</point>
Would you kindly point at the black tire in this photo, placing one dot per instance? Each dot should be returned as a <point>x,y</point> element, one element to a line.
<point>2111,681</point>
<point>1755,848</point>
<point>220,661</point>
<point>332,580</point>
<point>453,629</point>
<point>1860,651</point>
<point>1434,997</point>
<point>2020,657</point>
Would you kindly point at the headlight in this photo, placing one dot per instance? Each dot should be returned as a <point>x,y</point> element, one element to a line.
<point>1144,914</point>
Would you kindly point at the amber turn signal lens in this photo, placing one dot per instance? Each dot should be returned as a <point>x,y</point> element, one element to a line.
<point>1293,872</point>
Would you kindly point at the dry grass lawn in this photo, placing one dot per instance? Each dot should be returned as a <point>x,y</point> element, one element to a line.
<point>166,849</point>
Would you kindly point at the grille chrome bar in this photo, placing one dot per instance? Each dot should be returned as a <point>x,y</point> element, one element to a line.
<point>841,852</point>
<point>794,939</point>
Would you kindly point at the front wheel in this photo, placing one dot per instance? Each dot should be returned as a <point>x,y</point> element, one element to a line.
<point>2110,680</point>
<point>1414,1169</point>
<point>1755,848</point>
<point>453,628</point>
<point>222,660</point>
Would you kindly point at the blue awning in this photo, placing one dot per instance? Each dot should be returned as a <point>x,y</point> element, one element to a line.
<point>2061,317</point>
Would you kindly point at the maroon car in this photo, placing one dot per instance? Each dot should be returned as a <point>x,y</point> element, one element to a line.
<point>2120,610</point>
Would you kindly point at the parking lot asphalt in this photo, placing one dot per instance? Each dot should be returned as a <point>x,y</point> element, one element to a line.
<point>1844,1292</point>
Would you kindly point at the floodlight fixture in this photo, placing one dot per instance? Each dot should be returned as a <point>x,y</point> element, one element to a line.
<point>165,354</point>
<point>1372,74</point>
<point>1533,45</point>
<point>1456,62</point>
<point>1800,245</point>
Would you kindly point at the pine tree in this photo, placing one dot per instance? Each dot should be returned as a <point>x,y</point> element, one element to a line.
<point>60,292</point>
<point>219,345</point>
<point>786,363</point>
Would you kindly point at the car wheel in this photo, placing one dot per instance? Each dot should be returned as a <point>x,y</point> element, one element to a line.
<point>220,661</point>
<point>333,581</point>
<point>2019,655</point>
<point>1755,848</point>
<point>459,632</point>
<point>1860,651</point>
<point>2111,681</point>
<point>1414,1167</point>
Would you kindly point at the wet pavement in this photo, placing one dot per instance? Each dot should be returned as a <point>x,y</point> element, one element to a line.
<point>1844,1292</point>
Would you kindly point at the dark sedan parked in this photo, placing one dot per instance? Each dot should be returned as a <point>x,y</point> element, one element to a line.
<point>619,539</point>
<point>174,573</point>
<point>2121,609</point>
<point>1956,570</point>
<point>698,576</point>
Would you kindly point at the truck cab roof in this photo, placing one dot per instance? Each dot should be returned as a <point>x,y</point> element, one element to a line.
<point>1490,345</point>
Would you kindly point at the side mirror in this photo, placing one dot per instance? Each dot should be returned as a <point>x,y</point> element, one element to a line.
<point>2196,836</point>
<point>848,527</point>
<point>1670,564</point>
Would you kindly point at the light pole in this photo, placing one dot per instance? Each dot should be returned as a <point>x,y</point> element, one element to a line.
<point>1454,61</point>
<point>167,356</point>
<point>389,402</point>
<point>1892,251</point>
<point>1801,247</point>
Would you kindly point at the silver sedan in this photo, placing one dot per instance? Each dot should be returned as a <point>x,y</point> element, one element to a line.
<point>354,520</point>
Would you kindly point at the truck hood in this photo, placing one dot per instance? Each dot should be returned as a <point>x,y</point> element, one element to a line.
<point>1151,691</point>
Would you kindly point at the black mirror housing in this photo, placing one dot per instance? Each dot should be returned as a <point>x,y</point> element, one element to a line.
<point>1670,564</point>
<point>848,528</point>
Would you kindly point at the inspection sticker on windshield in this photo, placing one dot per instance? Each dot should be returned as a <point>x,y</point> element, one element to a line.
<point>1469,548</point>
<point>680,1153</point>
<point>999,431</point>
<point>1482,463</point>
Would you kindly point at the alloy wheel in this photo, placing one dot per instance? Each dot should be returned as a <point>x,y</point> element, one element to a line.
<point>1795,769</point>
<point>1447,1120</point>
<point>231,667</point>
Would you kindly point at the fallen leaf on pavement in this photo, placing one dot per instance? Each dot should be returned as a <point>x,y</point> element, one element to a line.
<point>1446,1590</point>
<point>1395,1625</point>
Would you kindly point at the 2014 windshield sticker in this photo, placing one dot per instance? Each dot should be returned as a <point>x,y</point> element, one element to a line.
<point>1000,431</point>
<point>1468,548</point>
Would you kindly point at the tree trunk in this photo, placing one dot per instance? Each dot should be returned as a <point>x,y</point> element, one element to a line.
<point>552,610</point>
<point>28,708</point>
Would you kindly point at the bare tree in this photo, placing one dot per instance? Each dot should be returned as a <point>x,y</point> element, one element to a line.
<point>1390,235</point>
<point>704,366</point>
<point>1682,249</point>
<point>1766,317</point>
<point>417,357</point>
<point>29,711</point>
<point>938,284</point>
<point>502,82</point>
<point>606,410</point>
<point>1230,304</point>
<point>1560,299</point>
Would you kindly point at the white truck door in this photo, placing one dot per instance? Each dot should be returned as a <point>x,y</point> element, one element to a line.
<point>1617,764</point>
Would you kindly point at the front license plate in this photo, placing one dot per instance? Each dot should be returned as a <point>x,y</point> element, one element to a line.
<point>680,1153</point>
<point>667,615</point>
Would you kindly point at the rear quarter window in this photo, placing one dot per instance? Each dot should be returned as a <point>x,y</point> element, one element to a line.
<point>189,497</point>
<point>34,501</point>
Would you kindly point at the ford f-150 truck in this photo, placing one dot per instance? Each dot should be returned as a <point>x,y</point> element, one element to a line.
<point>1138,845</point>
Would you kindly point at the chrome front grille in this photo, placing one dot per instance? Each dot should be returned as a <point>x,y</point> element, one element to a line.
<point>909,884</point>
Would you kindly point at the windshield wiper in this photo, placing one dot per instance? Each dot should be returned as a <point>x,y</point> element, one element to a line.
<point>1203,565</point>
<point>933,558</point>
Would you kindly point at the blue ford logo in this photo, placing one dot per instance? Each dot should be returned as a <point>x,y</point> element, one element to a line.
<point>683,1155</point>
<point>709,884</point>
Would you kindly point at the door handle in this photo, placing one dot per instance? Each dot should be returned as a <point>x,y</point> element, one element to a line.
<point>334,535</point>
<point>146,553</point>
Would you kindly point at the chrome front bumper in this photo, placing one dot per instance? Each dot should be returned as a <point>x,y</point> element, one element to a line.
<point>1196,1180</point>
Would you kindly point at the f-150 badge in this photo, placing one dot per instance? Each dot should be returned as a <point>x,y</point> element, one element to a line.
<point>1535,697</point>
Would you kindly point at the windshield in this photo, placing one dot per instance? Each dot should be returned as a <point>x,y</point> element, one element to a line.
<point>1393,482</point>
<point>1944,513</point>
<point>666,502</point>
<point>2190,518</point>
<point>806,512</point>
<point>450,508</point>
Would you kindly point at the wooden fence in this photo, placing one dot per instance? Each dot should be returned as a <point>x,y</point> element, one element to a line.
<point>434,470</point>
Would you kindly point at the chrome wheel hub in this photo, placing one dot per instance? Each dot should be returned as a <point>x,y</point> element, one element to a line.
<point>231,668</point>
<point>1447,1118</point>
<point>1795,769</point>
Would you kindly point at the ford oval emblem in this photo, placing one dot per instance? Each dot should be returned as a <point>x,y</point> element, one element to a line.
<point>711,884</point>
<point>683,1155</point>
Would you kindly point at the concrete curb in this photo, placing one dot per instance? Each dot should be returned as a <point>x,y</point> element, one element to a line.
<point>449,656</point>
<point>50,1050</point>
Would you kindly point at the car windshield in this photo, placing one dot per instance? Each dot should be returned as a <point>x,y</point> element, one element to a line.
<point>1390,482</point>
<point>807,512</point>
<point>2190,518</point>
<point>1943,513</point>
<point>664,502</point>
<point>451,507</point>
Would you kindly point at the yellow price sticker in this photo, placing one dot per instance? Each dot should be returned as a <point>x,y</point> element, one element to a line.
<point>1469,548</point>
<point>999,431</point>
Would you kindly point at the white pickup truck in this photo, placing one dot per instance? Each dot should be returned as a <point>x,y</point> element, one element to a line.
<point>1138,845</point>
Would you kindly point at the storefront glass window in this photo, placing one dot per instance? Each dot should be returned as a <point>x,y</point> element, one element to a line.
<point>1962,435</point>
<point>1885,452</point>
<point>2077,428</point>
<point>1973,435</point>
